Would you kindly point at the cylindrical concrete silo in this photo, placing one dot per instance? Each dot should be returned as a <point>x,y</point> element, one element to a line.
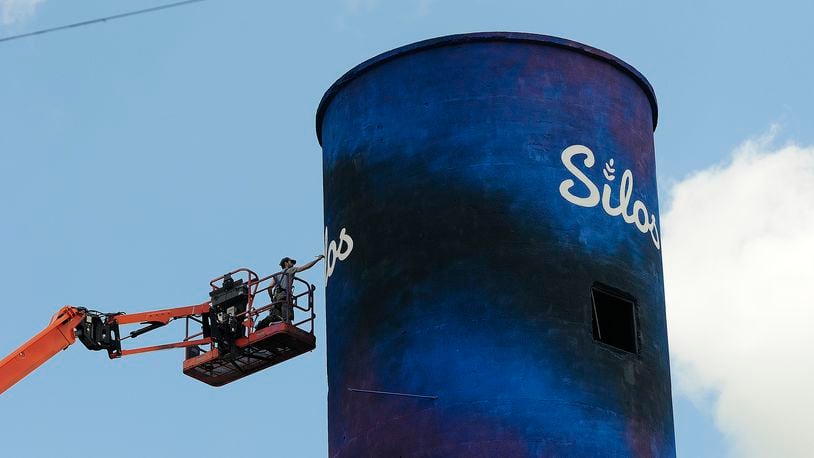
<point>495,280</point>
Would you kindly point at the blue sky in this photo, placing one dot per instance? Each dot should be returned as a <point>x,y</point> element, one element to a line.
<point>142,157</point>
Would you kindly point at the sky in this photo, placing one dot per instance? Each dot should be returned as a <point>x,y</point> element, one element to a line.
<point>142,157</point>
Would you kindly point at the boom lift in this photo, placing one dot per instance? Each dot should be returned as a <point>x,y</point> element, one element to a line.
<point>228,346</point>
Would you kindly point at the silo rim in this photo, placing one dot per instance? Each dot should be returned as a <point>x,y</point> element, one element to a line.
<point>477,37</point>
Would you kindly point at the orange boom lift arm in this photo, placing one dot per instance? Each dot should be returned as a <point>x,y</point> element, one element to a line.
<point>96,330</point>
<point>58,335</point>
<point>236,347</point>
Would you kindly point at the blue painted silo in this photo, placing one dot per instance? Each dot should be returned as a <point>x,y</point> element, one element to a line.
<point>494,268</point>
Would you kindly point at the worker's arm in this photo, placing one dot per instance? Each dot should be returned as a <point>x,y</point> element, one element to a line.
<point>57,336</point>
<point>310,264</point>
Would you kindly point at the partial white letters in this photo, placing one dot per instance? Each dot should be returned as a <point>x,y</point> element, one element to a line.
<point>336,251</point>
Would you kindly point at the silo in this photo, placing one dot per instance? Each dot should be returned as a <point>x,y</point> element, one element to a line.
<point>494,270</point>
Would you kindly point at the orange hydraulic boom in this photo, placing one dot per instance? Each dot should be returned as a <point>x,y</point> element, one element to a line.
<point>58,335</point>
<point>236,347</point>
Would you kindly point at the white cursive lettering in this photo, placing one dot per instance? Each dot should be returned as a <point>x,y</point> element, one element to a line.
<point>639,216</point>
<point>336,252</point>
<point>593,193</point>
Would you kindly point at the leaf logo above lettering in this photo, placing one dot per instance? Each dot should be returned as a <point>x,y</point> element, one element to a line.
<point>609,170</point>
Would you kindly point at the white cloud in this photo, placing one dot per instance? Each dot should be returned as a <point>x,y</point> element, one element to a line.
<point>12,11</point>
<point>739,280</point>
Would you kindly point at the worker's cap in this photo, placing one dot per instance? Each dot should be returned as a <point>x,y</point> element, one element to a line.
<point>285,260</point>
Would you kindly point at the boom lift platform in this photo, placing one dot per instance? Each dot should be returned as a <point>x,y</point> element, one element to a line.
<point>228,346</point>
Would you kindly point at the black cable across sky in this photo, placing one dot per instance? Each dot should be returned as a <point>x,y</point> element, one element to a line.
<point>102,19</point>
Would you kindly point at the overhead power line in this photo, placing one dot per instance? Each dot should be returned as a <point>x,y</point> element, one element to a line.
<point>101,19</point>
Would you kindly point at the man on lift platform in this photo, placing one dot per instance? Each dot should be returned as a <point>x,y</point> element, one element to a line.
<point>280,290</point>
<point>232,354</point>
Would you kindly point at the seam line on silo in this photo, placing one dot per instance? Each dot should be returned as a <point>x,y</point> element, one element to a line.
<point>390,393</point>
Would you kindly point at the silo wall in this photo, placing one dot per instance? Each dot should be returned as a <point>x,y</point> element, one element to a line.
<point>481,191</point>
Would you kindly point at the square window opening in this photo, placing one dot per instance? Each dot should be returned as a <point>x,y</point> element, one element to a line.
<point>614,319</point>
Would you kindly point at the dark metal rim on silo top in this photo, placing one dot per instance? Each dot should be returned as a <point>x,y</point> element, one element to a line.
<point>545,40</point>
